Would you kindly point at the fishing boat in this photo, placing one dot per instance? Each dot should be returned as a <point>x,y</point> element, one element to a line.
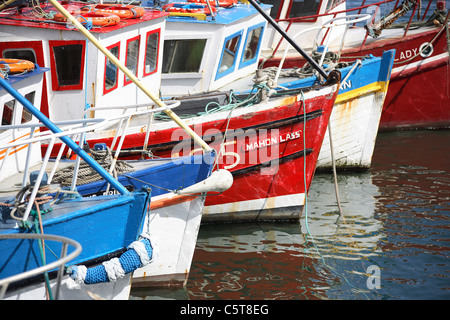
<point>35,229</point>
<point>356,114</point>
<point>415,29</point>
<point>178,197</point>
<point>357,110</point>
<point>259,138</point>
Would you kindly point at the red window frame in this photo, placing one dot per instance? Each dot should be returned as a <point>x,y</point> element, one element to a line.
<point>37,47</point>
<point>55,84</point>
<point>105,91</point>
<point>158,31</point>
<point>125,81</point>
<point>297,19</point>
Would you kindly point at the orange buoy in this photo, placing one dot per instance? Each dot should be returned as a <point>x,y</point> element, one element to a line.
<point>186,7</point>
<point>122,11</point>
<point>97,18</point>
<point>14,66</point>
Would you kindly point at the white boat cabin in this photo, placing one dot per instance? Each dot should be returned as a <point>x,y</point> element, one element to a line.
<point>80,75</point>
<point>205,55</point>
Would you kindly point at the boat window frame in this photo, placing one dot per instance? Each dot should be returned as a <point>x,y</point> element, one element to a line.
<point>4,53</point>
<point>312,18</point>
<point>37,47</point>
<point>242,63</point>
<point>232,68</point>
<point>138,37</point>
<point>201,66</point>
<point>105,90</point>
<point>10,109</point>
<point>56,86</point>
<point>147,35</point>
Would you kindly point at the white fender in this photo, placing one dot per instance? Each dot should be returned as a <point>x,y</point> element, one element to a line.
<point>218,181</point>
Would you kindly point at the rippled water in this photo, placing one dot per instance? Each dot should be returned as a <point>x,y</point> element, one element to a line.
<point>391,240</point>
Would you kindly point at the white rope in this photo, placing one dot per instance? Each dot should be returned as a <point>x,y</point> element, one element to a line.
<point>79,273</point>
<point>140,249</point>
<point>114,269</point>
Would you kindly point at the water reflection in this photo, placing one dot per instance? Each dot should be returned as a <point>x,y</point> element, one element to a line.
<point>293,261</point>
<point>394,218</point>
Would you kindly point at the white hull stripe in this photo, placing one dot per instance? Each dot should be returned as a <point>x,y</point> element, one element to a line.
<point>291,200</point>
<point>413,65</point>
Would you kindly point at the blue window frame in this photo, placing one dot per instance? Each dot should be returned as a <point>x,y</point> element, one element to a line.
<point>252,45</point>
<point>229,55</point>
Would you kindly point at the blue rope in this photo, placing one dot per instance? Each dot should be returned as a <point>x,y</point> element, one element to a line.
<point>129,261</point>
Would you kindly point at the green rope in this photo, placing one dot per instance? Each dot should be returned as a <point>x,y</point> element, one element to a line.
<point>41,251</point>
<point>250,100</point>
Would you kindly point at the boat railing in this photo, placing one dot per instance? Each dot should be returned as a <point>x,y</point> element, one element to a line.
<point>345,21</point>
<point>121,124</point>
<point>70,128</point>
<point>65,258</point>
<point>375,9</point>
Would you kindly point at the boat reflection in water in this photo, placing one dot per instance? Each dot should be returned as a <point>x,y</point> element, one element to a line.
<point>394,218</point>
<point>284,260</point>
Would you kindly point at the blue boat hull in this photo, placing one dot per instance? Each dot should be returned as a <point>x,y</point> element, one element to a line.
<point>102,225</point>
<point>170,174</point>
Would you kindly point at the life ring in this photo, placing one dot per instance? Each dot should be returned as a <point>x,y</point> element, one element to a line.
<point>122,11</point>
<point>221,3</point>
<point>14,66</point>
<point>97,18</point>
<point>186,7</point>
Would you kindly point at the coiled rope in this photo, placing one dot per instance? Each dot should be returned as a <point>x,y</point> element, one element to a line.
<point>214,107</point>
<point>87,174</point>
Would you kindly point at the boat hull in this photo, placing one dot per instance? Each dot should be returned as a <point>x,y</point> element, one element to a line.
<point>103,226</point>
<point>117,290</point>
<point>407,104</point>
<point>263,148</point>
<point>355,118</point>
<point>174,219</point>
<point>174,229</point>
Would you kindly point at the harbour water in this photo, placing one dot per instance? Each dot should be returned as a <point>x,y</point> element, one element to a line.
<point>390,242</point>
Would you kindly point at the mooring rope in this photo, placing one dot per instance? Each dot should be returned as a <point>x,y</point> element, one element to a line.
<point>87,174</point>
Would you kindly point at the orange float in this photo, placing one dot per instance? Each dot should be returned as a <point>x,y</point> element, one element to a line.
<point>14,66</point>
<point>97,18</point>
<point>122,11</point>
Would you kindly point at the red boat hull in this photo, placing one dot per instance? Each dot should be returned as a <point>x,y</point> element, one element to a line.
<point>419,89</point>
<point>271,151</point>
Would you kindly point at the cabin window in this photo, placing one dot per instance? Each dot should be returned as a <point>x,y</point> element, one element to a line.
<point>333,3</point>
<point>8,117</point>
<point>303,8</point>
<point>229,54</point>
<point>132,57</point>
<point>183,55</point>
<point>252,44</point>
<point>23,54</point>
<point>275,7</point>
<point>8,113</point>
<point>26,115</point>
<point>111,71</point>
<point>151,52</point>
<point>67,64</point>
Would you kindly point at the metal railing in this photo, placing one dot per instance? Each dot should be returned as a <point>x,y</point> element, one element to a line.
<point>60,263</point>
<point>375,8</point>
<point>329,25</point>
